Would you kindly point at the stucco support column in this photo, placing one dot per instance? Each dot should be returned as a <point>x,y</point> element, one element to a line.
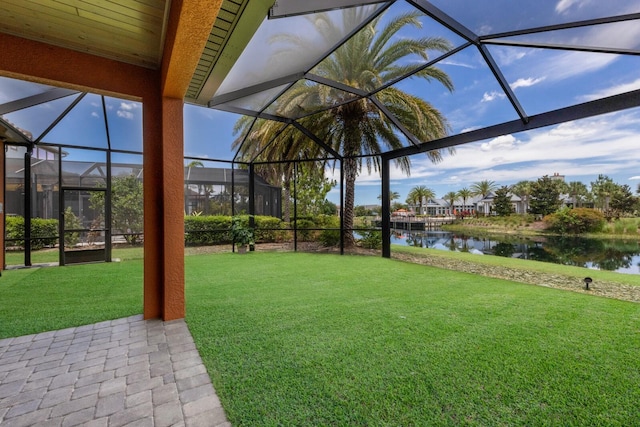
<point>3,263</point>
<point>173,192</point>
<point>163,203</point>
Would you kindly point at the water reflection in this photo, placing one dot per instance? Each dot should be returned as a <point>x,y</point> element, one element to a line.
<point>612,255</point>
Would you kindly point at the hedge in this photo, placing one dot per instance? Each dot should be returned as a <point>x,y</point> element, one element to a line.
<point>44,232</point>
<point>215,229</point>
<point>207,230</point>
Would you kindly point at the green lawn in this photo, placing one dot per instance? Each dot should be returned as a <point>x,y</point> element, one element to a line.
<point>45,299</point>
<point>52,255</point>
<point>301,339</point>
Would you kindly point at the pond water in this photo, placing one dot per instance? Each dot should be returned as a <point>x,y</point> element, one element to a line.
<point>612,255</point>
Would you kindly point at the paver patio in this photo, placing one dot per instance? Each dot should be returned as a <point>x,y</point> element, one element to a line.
<point>125,372</point>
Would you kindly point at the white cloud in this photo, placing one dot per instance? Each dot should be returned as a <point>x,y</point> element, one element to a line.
<point>525,82</point>
<point>558,66</point>
<point>635,177</point>
<point>491,96</point>
<point>504,142</point>
<point>605,144</point>
<point>564,5</point>
<point>129,106</point>
<point>94,114</point>
<point>126,109</point>
<point>507,56</point>
<point>449,61</point>
<point>125,114</point>
<point>613,90</point>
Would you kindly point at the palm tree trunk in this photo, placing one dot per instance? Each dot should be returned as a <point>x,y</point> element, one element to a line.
<point>350,172</point>
<point>287,200</point>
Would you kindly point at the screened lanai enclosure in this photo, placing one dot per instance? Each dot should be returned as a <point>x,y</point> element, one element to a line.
<point>293,99</point>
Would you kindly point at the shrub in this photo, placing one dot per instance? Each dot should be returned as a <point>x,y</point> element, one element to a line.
<point>215,229</point>
<point>331,235</point>
<point>305,229</point>
<point>71,222</point>
<point>575,221</point>
<point>371,239</point>
<point>267,229</point>
<point>46,230</point>
<point>207,230</point>
<point>14,230</point>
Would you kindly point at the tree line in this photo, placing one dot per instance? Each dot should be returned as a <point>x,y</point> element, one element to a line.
<point>541,197</point>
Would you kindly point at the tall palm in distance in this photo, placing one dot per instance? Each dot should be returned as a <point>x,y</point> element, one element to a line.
<point>578,192</point>
<point>371,58</point>
<point>483,188</point>
<point>464,194</point>
<point>417,195</point>
<point>451,198</point>
<point>393,195</point>
<point>522,189</point>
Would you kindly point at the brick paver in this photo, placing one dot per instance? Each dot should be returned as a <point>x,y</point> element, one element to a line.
<point>124,372</point>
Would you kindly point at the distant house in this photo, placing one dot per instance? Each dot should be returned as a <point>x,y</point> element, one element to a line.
<point>485,206</point>
<point>440,207</point>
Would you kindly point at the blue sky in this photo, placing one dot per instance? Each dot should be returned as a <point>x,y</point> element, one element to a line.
<point>542,80</point>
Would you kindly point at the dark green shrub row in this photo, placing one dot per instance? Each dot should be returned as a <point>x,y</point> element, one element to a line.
<point>44,232</point>
<point>323,228</point>
<point>575,221</point>
<point>207,230</point>
<point>330,236</point>
<point>215,229</point>
<point>267,229</point>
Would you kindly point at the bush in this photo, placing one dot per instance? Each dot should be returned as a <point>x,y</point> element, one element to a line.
<point>207,230</point>
<point>215,229</point>
<point>371,239</point>
<point>575,221</point>
<point>305,229</point>
<point>267,229</point>
<point>330,236</point>
<point>47,230</point>
<point>71,222</point>
<point>14,230</point>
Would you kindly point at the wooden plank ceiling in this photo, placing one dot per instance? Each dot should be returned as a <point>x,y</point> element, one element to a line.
<point>130,31</point>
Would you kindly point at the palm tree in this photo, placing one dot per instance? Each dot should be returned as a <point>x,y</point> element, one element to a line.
<point>418,195</point>
<point>192,164</point>
<point>393,195</point>
<point>358,130</point>
<point>578,192</point>
<point>522,189</point>
<point>451,197</point>
<point>260,145</point>
<point>603,188</point>
<point>483,188</point>
<point>464,194</point>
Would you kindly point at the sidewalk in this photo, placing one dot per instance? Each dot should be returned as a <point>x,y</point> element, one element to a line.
<point>125,372</point>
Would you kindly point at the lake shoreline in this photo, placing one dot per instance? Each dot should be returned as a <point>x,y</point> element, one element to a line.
<point>536,230</point>
<point>600,288</point>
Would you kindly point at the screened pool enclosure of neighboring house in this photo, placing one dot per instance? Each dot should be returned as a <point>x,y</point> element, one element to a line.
<point>73,175</point>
